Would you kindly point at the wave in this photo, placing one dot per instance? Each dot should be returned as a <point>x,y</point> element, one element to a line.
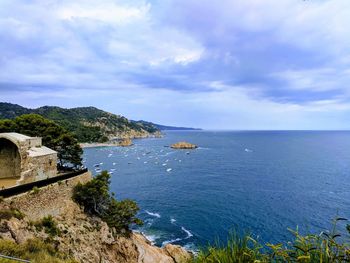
<point>151,238</point>
<point>189,234</point>
<point>203,148</point>
<point>192,248</point>
<point>172,220</point>
<point>171,241</point>
<point>153,214</point>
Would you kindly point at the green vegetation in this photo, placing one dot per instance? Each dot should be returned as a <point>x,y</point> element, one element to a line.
<point>88,124</point>
<point>96,199</point>
<point>34,250</point>
<point>53,136</point>
<point>311,248</point>
<point>49,225</point>
<point>35,190</point>
<point>7,214</point>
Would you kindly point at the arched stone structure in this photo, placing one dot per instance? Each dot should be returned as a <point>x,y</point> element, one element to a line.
<point>10,159</point>
<point>24,159</point>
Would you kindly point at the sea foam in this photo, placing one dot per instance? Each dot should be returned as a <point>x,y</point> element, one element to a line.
<point>189,234</point>
<point>153,214</point>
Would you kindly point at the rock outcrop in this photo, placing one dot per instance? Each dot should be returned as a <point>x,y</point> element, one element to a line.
<point>183,145</point>
<point>124,142</point>
<point>82,237</point>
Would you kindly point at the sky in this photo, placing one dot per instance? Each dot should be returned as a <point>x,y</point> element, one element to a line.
<point>226,64</point>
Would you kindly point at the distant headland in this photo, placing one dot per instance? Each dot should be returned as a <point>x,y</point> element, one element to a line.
<point>91,125</point>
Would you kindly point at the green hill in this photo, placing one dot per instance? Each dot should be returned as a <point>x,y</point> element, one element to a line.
<point>89,124</point>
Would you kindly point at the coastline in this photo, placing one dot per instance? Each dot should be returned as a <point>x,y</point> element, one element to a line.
<point>119,141</point>
<point>97,144</point>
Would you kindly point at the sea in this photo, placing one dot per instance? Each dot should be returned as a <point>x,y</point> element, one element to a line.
<point>265,183</point>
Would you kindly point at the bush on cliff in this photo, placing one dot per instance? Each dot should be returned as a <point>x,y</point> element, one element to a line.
<point>34,250</point>
<point>53,136</point>
<point>96,199</point>
<point>6,214</point>
<point>49,225</point>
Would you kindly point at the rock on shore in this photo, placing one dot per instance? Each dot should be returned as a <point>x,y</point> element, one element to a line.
<point>183,145</point>
<point>124,142</point>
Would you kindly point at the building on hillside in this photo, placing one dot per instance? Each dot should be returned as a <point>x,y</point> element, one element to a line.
<point>23,159</point>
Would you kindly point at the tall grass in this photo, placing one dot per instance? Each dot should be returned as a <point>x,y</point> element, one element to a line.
<point>237,249</point>
<point>34,250</point>
<point>326,247</point>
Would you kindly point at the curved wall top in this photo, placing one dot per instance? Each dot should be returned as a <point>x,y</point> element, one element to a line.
<point>34,161</point>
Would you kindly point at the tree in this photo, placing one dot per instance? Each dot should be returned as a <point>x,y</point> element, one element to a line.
<point>68,149</point>
<point>53,136</point>
<point>96,199</point>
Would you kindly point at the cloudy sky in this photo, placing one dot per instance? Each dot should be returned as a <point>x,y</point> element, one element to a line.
<point>227,64</point>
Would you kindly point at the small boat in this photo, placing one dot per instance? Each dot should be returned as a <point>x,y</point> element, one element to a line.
<point>168,170</point>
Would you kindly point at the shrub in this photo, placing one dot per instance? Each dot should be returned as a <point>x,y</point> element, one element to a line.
<point>35,190</point>
<point>49,225</point>
<point>120,214</point>
<point>96,199</point>
<point>7,214</point>
<point>34,250</point>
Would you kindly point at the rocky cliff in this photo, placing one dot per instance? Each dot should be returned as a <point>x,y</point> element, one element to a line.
<point>79,236</point>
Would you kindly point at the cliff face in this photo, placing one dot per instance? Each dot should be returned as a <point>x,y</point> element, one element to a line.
<point>82,237</point>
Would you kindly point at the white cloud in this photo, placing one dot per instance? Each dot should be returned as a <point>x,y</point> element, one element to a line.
<point>319,80</point>
<point>104,11</point>
<point>163,58</point>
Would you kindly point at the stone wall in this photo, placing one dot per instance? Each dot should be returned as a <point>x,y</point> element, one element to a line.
<point>50,200</point>
<point>39,168</point>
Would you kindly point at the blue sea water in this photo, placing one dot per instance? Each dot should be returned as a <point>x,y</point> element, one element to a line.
<point>261,182</point>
